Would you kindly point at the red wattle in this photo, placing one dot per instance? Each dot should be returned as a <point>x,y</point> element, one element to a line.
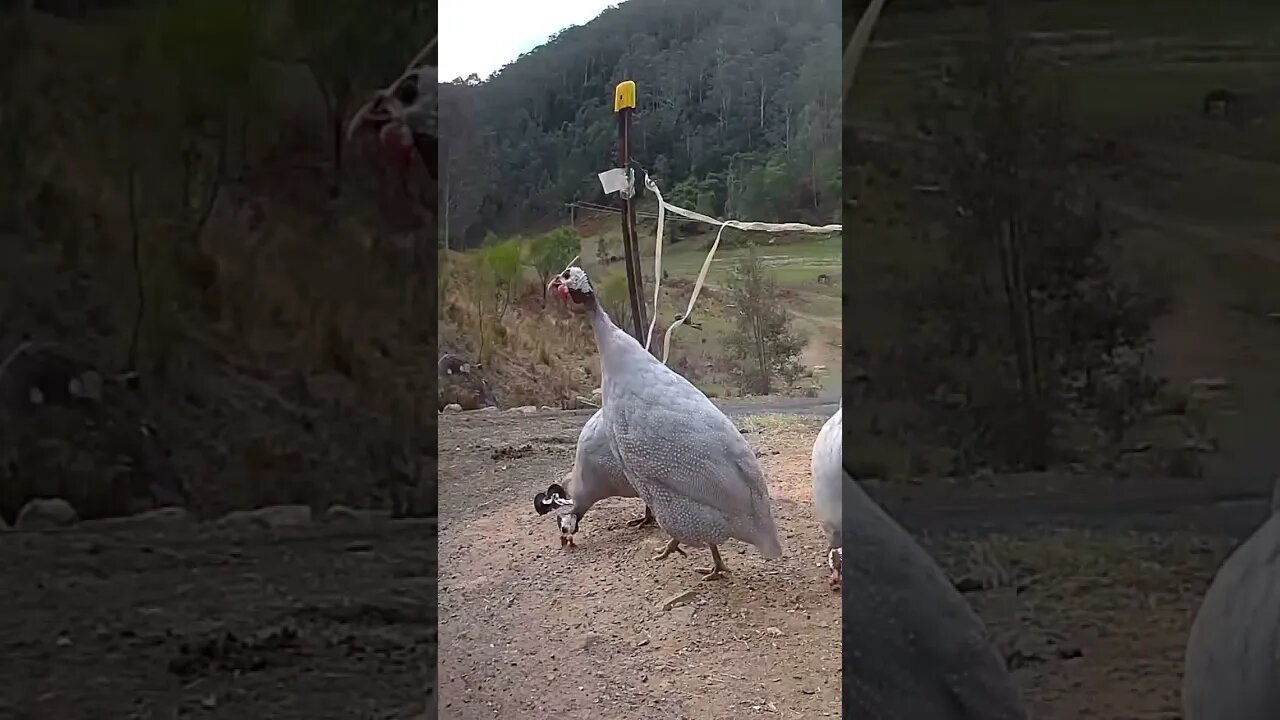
<point>398,144</point>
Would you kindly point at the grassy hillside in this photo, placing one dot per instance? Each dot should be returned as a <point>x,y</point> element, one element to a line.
<point>547,356</point>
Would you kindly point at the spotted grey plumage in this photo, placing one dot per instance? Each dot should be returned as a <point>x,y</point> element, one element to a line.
<point>912,646</point>
<point>826,473</point>
<point>683,456</point>
<point>1233,650</point>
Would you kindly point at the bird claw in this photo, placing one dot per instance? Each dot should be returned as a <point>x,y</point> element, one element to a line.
<point>670,548</point>
<point>645,521</point>
<point>710,573</point>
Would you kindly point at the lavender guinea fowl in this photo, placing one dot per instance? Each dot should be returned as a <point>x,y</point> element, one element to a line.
<point>826,487</point>
<point>681,454</point>
<point>597,474</point>
<point>1233,649</point>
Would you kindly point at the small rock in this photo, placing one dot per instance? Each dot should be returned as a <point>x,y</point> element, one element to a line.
<point>683,614</point>
<point>524,409</point>
<point>91,384</point>
<point>272,516</point>
<point>452,408</point>
<point>677,599</point>
<point>359,546</point>
<point>342,513</point>
<point>159,517</point>
<point>1210,384</point>
<point>588,640</point>
<point>545,408</point>
<point>46,514</point>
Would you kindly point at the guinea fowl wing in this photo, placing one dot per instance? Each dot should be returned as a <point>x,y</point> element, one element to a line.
<point>595,459</point>
<point>677,446</point>
<point>912,646</point>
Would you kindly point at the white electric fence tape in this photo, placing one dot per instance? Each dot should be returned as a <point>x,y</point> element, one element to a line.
<point>664,206</point>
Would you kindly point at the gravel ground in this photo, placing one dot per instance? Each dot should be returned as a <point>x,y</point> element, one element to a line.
<point>531,630</point>
<point>219,622</point>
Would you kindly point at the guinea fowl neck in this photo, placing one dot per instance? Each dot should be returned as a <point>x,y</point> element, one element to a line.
<point>601,325</point>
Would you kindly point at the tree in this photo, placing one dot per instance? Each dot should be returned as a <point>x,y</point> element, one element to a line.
<point>502,262</point>
<point>462,161</point>
<point>551,252</point>
<point>763,343</point>
<point>15,107</point>
<point>719,82</point>
<point>1027,326</point>
<point>219,42</point>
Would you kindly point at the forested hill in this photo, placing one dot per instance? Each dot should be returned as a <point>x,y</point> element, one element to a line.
<point>738,114</point>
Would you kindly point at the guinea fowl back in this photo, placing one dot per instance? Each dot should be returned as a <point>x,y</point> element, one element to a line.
<point>913,648</point>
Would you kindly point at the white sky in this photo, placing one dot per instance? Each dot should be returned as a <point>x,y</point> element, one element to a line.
<point>480,36</point>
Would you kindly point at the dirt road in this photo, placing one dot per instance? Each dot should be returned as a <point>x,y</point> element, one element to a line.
<point>307,623</point>
<point>531,630</point>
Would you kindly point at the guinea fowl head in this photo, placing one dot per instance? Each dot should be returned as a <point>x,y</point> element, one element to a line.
<point>574,287</point>
<point>397,115</point>
<point>557,498</point>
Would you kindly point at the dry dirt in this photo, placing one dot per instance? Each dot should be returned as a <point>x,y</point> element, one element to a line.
<point>531,630</point>
<point>1100,624</point>
<point>194,621</point>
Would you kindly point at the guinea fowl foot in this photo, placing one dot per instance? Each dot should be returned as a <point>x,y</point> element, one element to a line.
<point>673,546</point>
<point>645,521</point>
<point>716,571</point>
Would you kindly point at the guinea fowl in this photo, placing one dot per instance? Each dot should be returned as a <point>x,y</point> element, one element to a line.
<point>681,454</point>
<point>597,474</point>
<point>912,646</point>
<point>405,117</point>
<point>1233,650</point>
<point>827,472</point>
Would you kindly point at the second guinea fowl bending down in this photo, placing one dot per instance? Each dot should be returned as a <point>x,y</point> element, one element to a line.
<point>596,475</point>
<point>827,472</point>
<point>687,460</point>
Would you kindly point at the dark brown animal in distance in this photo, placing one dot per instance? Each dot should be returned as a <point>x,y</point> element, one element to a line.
<point>1218,102</point>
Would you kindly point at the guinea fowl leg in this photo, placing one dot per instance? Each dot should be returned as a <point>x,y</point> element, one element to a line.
<point>716,570</point>
<point>673,546</point>
<point>645,521</point>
